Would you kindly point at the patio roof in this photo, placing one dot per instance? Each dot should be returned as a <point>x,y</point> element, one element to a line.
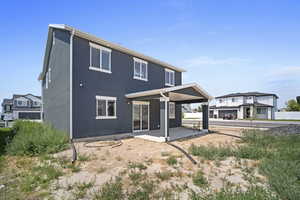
<point>182,93</point>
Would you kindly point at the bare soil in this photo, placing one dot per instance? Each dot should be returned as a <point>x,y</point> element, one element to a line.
<point>106,163</point>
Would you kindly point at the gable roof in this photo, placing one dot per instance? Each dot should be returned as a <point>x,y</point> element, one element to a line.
<point>247,94</point>
<point>100,41</point>
<point>25,95</point>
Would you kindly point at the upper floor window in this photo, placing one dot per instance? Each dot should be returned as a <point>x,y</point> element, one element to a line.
<point>220,100</point>
<point>21,103</point>
<point>172,110</point>
<point>100,58</point>
<point>233,99</point>
<point>169,77</point>
<point>140,69</point>
<point>106,107</point>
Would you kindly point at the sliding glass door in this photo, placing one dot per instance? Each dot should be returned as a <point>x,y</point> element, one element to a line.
<point>140,116</point>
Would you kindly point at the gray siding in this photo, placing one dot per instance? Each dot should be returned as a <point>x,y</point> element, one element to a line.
<point>116,84</point>
<point>56,99</point>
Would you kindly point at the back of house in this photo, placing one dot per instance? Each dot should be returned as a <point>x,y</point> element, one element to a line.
<point>85,81</point>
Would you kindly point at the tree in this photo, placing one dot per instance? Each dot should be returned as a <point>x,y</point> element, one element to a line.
<point>298,99</point>
<point>292,105</point>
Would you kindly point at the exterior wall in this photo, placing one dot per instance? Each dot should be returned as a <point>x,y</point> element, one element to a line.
<point>241,113</point>
<point>228,101</point>
<point>269,113</point>
<point>249,99</point>
<point>116,84</point>
<point>269,100</point>
<point>25,102</point>
<point>56,99</point>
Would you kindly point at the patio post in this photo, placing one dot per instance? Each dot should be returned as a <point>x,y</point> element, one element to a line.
<point>205,116</point>
<point>164,117</point>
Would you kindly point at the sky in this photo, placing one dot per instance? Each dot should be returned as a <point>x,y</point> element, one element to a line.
<point>225,46</point>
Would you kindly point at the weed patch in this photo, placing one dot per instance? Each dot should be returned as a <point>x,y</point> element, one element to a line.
<point>172,160</point>
<point>165,175</point>
<point>199,179</point>
<point>33,138</point>
<point>111,190</point>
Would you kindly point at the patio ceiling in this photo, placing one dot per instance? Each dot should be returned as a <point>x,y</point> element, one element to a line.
<point>188,93</point>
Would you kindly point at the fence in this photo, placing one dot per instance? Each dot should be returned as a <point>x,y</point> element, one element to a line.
<point>287,115</point>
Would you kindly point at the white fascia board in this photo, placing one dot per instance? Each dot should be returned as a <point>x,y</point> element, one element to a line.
<point>170,89</point>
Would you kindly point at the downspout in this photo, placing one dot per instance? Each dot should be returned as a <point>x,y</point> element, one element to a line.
<point>71,84</point>
<point>166,115</point>
<point>74,157</point>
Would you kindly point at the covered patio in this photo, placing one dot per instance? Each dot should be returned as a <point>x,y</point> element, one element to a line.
<point>174,134</point>
<point>182,94</point>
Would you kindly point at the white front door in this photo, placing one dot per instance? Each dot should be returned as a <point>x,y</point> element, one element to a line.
<point>140,116</point>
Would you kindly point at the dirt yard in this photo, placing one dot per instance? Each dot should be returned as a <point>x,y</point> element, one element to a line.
<point>100,162</point>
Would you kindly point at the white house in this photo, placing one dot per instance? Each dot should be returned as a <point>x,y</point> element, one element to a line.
<point>245,105</point>
<point>26,106</point>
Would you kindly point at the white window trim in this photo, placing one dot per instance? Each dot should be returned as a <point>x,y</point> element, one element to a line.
<point>96,46</point>
<point>106,98</point>
<point>140,61</point>
<point>170,71</point>
<point>172,116</point>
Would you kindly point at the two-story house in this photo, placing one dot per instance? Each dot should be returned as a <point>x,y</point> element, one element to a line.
<point>92,87</point>
<point>254,105</point>
<point>26,106</point>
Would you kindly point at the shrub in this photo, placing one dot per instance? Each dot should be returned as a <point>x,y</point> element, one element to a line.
<point>6,135</point>
<point>33,138</point>
<point>199,179</point>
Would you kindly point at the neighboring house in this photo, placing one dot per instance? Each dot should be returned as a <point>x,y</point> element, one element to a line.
<point>92,87</point>
<point>245,105</point>
<point>26,106</point>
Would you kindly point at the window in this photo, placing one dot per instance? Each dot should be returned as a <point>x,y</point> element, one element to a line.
<point>171,110</point>
<point>100,58</point>
<point>220,100</point>
<point>106,107</point>
<point>169,77</point>
<point>261,110</point>
<point>233,99</point>
<point>140,69</point>
<point>21,103</point>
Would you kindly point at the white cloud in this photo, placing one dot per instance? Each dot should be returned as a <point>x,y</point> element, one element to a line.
<point>203,60</point>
